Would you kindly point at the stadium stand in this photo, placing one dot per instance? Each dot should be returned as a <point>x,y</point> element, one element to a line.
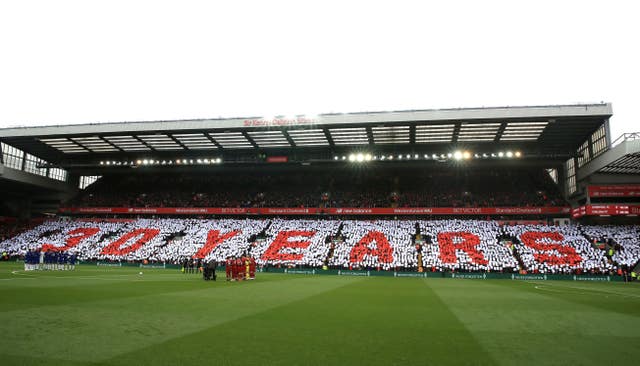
<point>437,245</point>
<point>376,244</point>
<point>370,188</point>
<point>562,249</point>
<point>466,245</point>
<point>623,240</point>
<point>295,242</point>
<point>502,189</point>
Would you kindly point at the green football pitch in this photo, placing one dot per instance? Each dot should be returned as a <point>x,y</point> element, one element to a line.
<point>115,316</point>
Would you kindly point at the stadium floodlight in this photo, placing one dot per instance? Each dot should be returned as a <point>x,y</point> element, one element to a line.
<point>457,155</point>
<point>344,157</point>
<point>199,161</point>
<point>138,162</point>
<point>443,156</point>
<point>435,156</point>
<point>108,163</point>
<point>352,157</point>
<point>509,154</point>
<point>466,155</point>
<point>191,161</point>
<point>382,157</point>
<point>360,157</point>
<point>484,155</point>
<point>400,157</point>
<point>218,160</point>
<point>335,157</point>
<point>101,162</point>
<point>416,156</point>
<point>476,155</point>
<point>449,155</point>
<point>493,155</point>
<point>426,156</point>
<point>170,162</point>
<point>390,157</point>
<point>367,157</point>
<point>408,156</point>
<point>518,154</point>
<point>145,162</point>
<point>177,161</point>
<point>501,154</point>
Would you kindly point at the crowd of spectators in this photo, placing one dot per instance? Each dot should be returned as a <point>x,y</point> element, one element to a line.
<point>452,248</point>
<point>622,240</point>
<point>355,188</point>
<point>363,246</point>
<point>557,249</point>
<point>438,245</point>
<point>295,242</point>
<point>10,227</point>
<point>490,188</point>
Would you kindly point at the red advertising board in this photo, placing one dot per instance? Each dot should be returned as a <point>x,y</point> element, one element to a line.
<point>408,211</point>
<point>614,191</point>
<point>277,159</point>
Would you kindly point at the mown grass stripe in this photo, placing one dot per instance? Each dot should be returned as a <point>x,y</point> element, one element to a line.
<point>374,321</point>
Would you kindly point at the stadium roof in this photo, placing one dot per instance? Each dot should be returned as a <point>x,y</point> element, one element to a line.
<point>622,158</point>
<point>554,129</point>
<point>629,164</point>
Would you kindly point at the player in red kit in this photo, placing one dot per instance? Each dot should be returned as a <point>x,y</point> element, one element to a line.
<point>239,269</point>
<point>252,268</point>
<point>227,266</point>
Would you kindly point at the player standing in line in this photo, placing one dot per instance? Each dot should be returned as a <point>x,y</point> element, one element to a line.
<point>239,271</point>
<point>28,257</point>
<point>234,268</point>
<point>61,261</point>
<point>247,267</point>
<point>227,268</point>
<point>252,268</point>
<point>72,261</point>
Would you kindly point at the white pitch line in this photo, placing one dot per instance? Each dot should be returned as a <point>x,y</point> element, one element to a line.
<point>585,291</point>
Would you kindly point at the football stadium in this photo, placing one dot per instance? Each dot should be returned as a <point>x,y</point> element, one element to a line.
<point>471,236</point>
